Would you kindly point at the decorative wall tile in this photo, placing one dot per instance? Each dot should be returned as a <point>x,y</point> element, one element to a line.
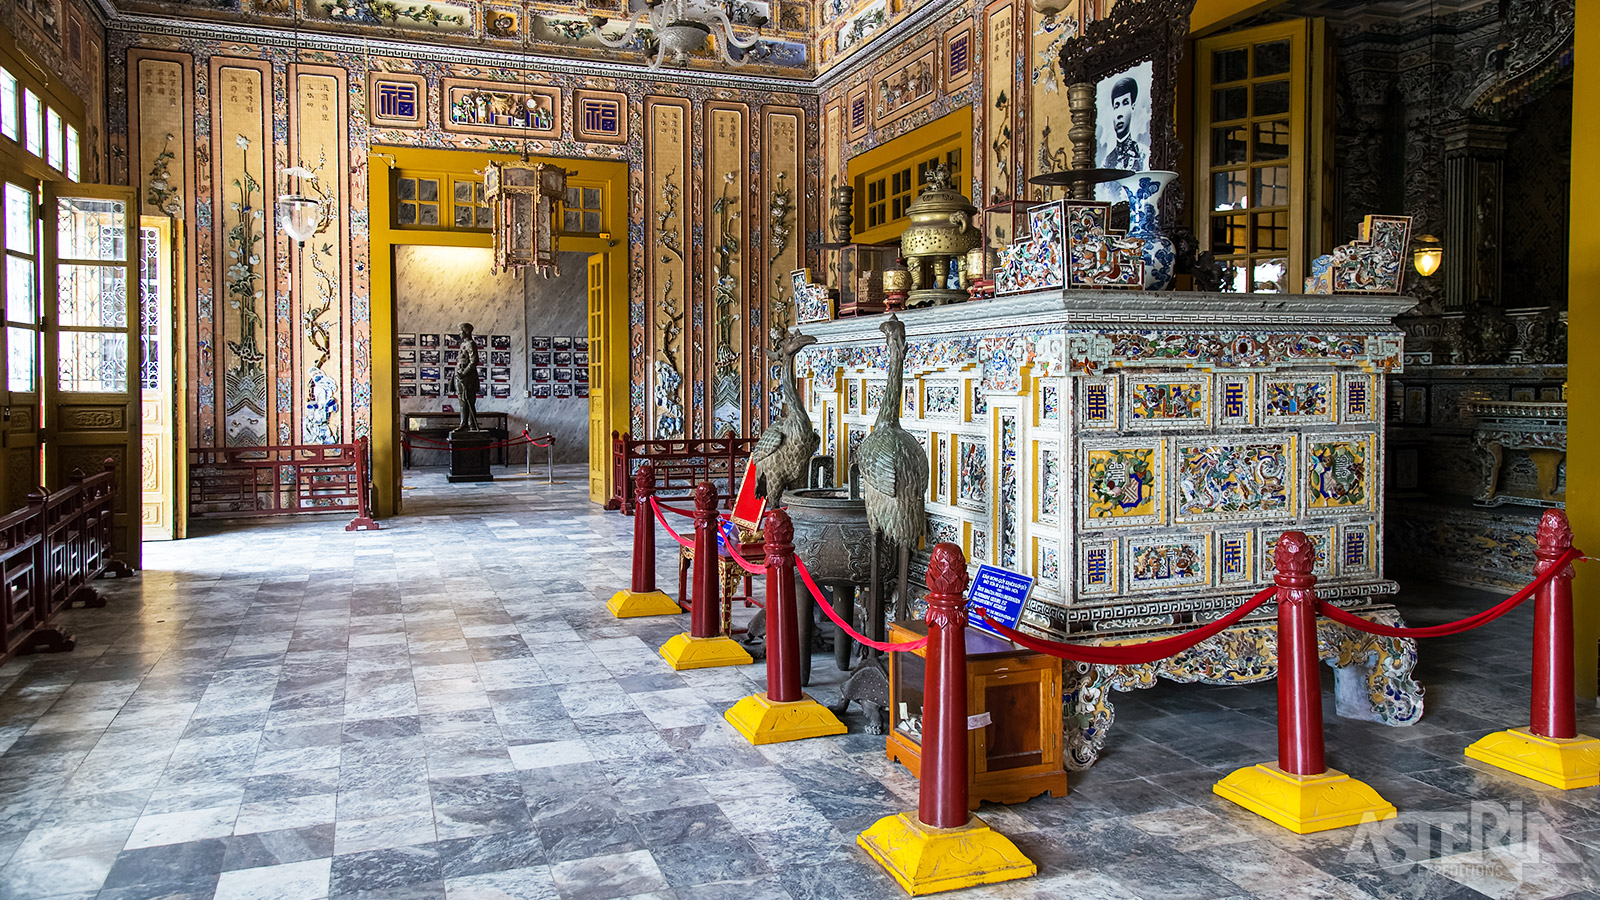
<point>600,116</point>
<point>858,113</point>
<point>396,100</point>
<point>1098,409</point>
<point>1235,557</point>
<point>1321,542</point>
<point>1298,400</point>
<point>1167,562</point>
<point>908,401</point>
<point>1047,564</point>
<point>853,437</point>
<point>972,472</point>
<point>942,399</point>
<point>1357,549</point>
<point>874,397</point>
<point>1249,479</point>
<point>1008,489</point>
<point>1360,406</point>
<point>1237,405</point>
<point>1122,482</point>
<point>942,486</point>
<point>980,545</point>
<point>500,107</point>
<point>1339,473</point>
<point>1168,402</point>
<point>1049,401</point>
<point>958,57</point>
<point>943,530</point>
<point>852,396</point>
<point>1097,567</point>
<point>907,86</point>
<point>1047,500</point>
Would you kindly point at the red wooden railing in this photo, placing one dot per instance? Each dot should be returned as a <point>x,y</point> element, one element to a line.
<point>680,464</point>
<point>50,550</point>
<point>228,482</point>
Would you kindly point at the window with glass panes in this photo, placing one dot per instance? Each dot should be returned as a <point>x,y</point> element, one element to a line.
<point>889,194</point>
<point>21,285</point>
<point>439,200</point>
<point>1251,151</point>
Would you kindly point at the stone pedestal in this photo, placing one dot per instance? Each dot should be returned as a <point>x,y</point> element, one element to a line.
<point>469,456</point>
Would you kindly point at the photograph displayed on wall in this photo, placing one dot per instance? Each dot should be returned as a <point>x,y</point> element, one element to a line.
<point>499,357</point>
<point>483,374</point>
<point>1122,124</point>
<point>428,389</point>
<point>539,358</point>
<point>500,374</point>
<point>452,341</point>
<point>408,390</point>
<point>581,391</point>
<point>408,374</point>
<point>541,392</point>
<point>580,358</point>
<point>539,343</point>
<point>406,357</point>
<point>563,391</point>
<point>581,343</point>
<point>429,373</point>
<point>500,391</point>
<point>564,375</point>
<point>451,357</point>
<point>450,388</point>
<point>581,376</point>
<point>407,340</point>
<point>561,343</point>
<point>428,357</point>
<point>563,358</point>
<point>541,376</point>
<point>427,340</point>
<point>500,342</point>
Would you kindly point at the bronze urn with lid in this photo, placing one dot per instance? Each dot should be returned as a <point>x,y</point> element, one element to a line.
<point>940,233</point>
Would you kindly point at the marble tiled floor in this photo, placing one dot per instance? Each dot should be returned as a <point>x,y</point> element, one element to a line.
<point>444,709</point>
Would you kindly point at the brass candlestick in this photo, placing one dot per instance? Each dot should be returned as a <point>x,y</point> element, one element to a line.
<point>1080,107</point>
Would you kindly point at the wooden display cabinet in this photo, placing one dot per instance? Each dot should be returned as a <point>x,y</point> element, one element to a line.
<point>1017,756</point>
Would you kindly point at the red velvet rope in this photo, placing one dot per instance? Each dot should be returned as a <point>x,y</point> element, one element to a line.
<point>1470,622</point>
<point>1130,654</point>
<point>549,437</point>
<point>733,551</point>
<point>663,520</point>
<point>844,626</point>
<point>429,444</point>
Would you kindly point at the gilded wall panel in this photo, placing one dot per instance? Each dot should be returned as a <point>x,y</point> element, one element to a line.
<point>999,109</point>
<point>726,263</point>
<point>667,283</point>
<point>319,143</point>
<point>787,202</point>
<point>1048,147</point>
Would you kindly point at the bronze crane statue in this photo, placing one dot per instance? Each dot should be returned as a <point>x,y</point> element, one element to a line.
<point>894,473</point>
<point>784,452</point>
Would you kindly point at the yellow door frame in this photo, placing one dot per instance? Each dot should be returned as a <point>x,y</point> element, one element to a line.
<point>384,237</point>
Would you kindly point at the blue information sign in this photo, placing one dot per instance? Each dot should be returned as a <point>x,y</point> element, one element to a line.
<point>1000,593</point>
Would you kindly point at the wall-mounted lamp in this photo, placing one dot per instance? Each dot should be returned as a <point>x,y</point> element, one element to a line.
<point>1426,253</point>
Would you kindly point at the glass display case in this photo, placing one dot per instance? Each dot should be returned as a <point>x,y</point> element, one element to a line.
<point>1015,753</point>
<point>859,277</point>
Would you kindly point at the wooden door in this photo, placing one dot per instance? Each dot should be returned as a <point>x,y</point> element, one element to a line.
<point>160,360</point>
<point>91,334</point>
<point>599,440</point>
<point>19,339</point>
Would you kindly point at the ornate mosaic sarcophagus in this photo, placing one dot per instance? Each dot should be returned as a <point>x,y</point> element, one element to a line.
<point>1138,453</point>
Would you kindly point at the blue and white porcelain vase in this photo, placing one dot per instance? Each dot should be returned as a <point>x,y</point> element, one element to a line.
<point>1144,190</point>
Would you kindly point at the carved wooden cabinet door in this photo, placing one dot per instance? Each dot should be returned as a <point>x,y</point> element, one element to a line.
<point>90,333</point>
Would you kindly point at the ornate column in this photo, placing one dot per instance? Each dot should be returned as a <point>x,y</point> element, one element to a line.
<point>1473,161</point>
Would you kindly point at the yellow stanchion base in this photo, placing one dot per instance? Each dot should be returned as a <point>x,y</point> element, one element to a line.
<point>765,721</point>
<point>926,860</point>
<point>684,651</point>
<point>1565,763</point>
<point>1304,803</point>
<point>626,604</point>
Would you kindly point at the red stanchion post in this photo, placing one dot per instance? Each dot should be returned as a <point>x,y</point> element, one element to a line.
<point>703,646</point>
<point>1550,749</point>
<point>941,846</point>
<point>1301,793</point>
<point>783,713</point>
<point>642,598</point>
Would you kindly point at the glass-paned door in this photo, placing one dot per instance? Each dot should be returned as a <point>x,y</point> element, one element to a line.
<point>19,340</point>
<point>90,337</point>
<point>599,441</point>
<point>164,470</point>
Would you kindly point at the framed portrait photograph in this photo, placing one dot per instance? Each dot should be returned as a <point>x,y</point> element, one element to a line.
<point>581,391</point>
<point>500,391</point>
<point>564,375</point>
<point>499,357</point>
<point>428,389</point>
<point>499,342</point>
<point>483,374</point>
<point>563,391</point>
<point>428,357</point>
<point>406,357</point>
<point>429,373</point>
<point>452,341</point>
<point>581,376</point>
<point>408,374</point>
<point>406,339</point>
<point>450,389</point>
<point>408,390</point>
<point>539,343</point>
<point>427,340</point>
<point>482,340</point>
<point>561,343</point>
<point>580,343</point>
<point>451,357</point>
<point>539,358</point>
<point>541,392</point>
<point>500,375</point>
<point>580,358</point>
<point>541,376</point>
<point>1122,124</point>
<point>563,358</point>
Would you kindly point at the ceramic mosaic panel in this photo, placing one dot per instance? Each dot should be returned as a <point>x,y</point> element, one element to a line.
<point>852,396</point>
<point>1047,564</point>
<point>874,397</point>
<point>1298,400</point>
<point>942,399</point>
<point>1049,393</point>
<point>830,437</point>
<point>1339,473</point>
<point>980,401</point>
<point>853,435</point>
<point>943,530</point>
<point>1097,256</point>
<point>1037,263</point>
<point>858,113</point>
<point>1168,402</point>
<point>907,86</point>
<point>1235,557</point>
<point>499,107</point>
<point>941,483</point>
<point>1098,409</point>
<point>1321,542</point>
<point>1360,404</point>
<point>1357,549</point>
<point>1247,479</point>
<point>1097,567</point>
<point>980,545</point>
<point>1047,499</point>
<point>811,300</point>
<point>1236,400</point>
<point>1166,563</point>
<point>1121,483</point>
<point>1008,490</point>
<point>396,100</point>
<point>908,401</point>
<point>972,472</point>
<point>600,116</point>
<point>958,57</point>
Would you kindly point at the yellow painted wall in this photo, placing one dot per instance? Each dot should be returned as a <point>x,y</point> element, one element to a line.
<point>1583,372</point>
<point>385,406</point>
<point>1213,15</point>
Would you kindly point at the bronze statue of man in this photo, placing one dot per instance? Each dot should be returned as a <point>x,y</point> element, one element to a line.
<point>467,380</point>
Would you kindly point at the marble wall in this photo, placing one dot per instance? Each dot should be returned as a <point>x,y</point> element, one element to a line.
<point>438,288</point>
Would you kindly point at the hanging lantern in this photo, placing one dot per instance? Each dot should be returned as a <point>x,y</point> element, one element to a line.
<point>523,197</point>
<point>1427,254</point>
<point>299,214</point>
